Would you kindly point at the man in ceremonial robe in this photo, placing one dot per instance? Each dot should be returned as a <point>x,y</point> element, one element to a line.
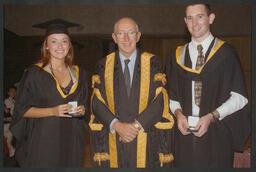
<point>130,121</point>
<point>214,93</point>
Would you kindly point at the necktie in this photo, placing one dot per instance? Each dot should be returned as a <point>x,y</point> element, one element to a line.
<point>127,77</point>
<point>198,84</point>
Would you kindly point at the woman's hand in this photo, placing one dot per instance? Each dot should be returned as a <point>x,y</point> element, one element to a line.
<point>80,110</point>
<point>62,110</point>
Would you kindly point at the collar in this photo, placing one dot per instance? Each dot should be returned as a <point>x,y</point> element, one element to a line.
<point>205,43</point>
<point>132,58</point>
<point>74,73</point>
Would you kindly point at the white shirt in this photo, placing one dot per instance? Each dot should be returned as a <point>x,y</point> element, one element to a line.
<point>9,103</point>
<point>131,64</point>
<point>235,102</point>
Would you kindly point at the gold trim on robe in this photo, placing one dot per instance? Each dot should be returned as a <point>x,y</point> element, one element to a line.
<point>95,79</point>
<point>180,55</point>
<point>109,86</point>
<point>92,125</point>
<point>96,91</point>
<point>143,102</point>
<point>160,77</point>
<point>100,157</point>
<point>109,80</point>
<point>165,158</point>
<point>74,73</point>
<point>109,71</point>
<point>166,114</point>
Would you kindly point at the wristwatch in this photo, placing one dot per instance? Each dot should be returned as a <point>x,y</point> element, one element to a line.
<point>214,116</point>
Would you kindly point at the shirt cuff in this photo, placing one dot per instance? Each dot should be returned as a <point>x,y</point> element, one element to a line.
<point>174,105</point>
<point>234,103</point>
<point>111,124</point>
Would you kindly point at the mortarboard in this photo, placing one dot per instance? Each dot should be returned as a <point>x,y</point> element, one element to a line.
<point>55,26</point>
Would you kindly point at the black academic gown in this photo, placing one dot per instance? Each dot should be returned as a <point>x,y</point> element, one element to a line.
<point>126,110</point>
<point>221,74</point>
<point>49,141</point>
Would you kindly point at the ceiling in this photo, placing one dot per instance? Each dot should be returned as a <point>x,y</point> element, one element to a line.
<point>153,19</point>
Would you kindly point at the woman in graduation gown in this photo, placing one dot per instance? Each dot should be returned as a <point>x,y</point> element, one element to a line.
<point>50,132</point>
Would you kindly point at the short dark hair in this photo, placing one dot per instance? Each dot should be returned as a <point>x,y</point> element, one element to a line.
<point>207,7</point>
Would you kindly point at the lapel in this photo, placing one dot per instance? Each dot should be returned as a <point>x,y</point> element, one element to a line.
<point>135,89</point>
<point>119,78</point>
<point>180,56</point>
<point>120,94</point>
<point>74,73</point>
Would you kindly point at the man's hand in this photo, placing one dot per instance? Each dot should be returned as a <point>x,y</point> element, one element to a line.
<point>137,125</point>
<point>203,125</point>
<point>182,122</point>
<point>126,131</point>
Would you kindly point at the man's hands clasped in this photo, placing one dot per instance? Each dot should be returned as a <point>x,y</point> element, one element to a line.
<point>127,131</point>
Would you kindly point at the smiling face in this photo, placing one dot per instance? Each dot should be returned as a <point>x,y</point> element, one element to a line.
<point>58,46</point>
<point>198,21</point>
<point>126,35</point>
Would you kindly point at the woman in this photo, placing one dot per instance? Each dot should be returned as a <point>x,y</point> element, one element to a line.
<point>47,133</point>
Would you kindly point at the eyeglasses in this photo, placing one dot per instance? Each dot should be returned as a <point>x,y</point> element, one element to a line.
<point>121,35</point>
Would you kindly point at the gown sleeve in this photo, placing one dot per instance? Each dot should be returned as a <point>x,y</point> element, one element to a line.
<point>100,110</point>
<point>25,98</point>
<point>238,122</point>
<point>153,112</point>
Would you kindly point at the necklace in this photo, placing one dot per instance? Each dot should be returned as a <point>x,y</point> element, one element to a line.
<point>66,89</point>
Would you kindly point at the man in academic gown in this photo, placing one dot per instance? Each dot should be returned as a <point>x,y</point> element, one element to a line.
<point>130,122</point>
<point>219,102</point>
